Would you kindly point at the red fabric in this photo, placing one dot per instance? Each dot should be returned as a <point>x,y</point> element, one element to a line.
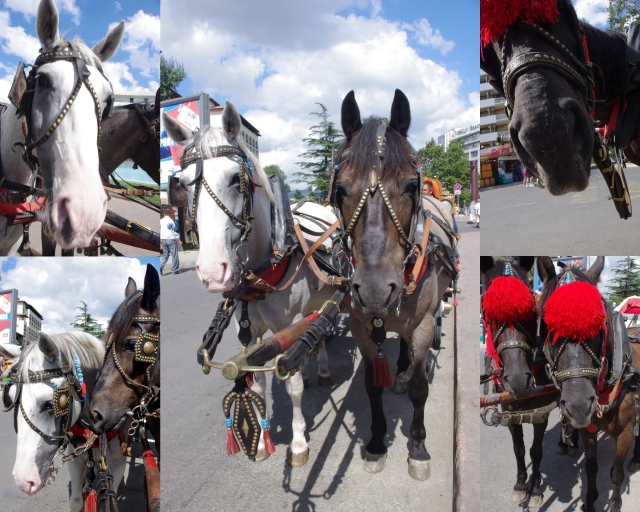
<point>490,347</point>
<point>507,300</point>
<point>14,209</point>
<point>91,502</point>
<point>268,443</point>
<point>498,15</point>
<point>631,307</point>
<point>575,311</point>
<point>382,372</point>
<point>605,395</point>
<point>78,431</point>
<point>409,269</point>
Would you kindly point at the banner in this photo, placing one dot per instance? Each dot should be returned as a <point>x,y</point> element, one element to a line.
<point>8,315</point>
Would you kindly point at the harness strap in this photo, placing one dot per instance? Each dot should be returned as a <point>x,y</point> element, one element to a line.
<point>410,287</point>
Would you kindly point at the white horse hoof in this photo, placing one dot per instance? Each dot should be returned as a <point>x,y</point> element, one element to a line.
<point>399,386</point>
<point>518,496</point>
<point>261,455</point>
<point>325,382</point>
<point>535,501</point>
<point>297,459</point>
<point>374,463</point>
<point>419,469</point>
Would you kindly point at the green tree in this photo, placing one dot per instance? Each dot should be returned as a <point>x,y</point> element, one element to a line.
<point>626,282</point>
<point>450,166</point>
<point>275,169</point>
<point>85,322</point>
<point>621,13</point>
<point>171,74</point>
<point>297,194</point>
<point>323,139</point>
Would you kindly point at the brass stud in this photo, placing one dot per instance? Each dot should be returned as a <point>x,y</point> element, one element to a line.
<point>63,401</point>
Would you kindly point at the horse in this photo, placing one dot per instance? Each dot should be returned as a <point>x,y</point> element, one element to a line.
<point>375,185</point>
<point>62,104</point>
<point>237,223</point>
<point>540,62</point>
<point>130,376</point>
<point>47,397</point>
<point>578,328</point>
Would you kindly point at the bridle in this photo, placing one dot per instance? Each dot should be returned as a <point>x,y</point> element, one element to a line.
<point>68,52</point>
<point>574,68</point>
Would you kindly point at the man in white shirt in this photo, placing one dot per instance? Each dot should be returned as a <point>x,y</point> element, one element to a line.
<point>170,240</point>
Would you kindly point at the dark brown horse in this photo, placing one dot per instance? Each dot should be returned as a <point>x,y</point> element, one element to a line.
<point>576,365</point>
<point>377,192</point>
<point>549,90</point>
<point>131,372</point>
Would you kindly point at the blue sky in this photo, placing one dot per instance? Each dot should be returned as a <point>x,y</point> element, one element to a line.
<point>134,68</point>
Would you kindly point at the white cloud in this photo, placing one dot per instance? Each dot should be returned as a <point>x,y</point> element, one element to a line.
<point>16,41</point>
<point>123,81</point>
<point>118,6</point>
<point>30,7</point>
<point>592,10</point>
<point>427,36</point>
<point>55,286</point>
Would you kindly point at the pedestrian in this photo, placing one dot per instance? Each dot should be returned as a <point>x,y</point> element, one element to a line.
<point>170,240</point>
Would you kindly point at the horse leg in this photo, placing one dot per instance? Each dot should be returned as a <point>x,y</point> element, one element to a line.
<point>376,453</point>
<point>304,371</point>
<point>536,457</point>
<point>634,463</point>
<point>299,449</point>
<point>76,474</point>
<point>324,377</point>
<point>418,387</point>
<point>519,493</point>
<point>404,369</point>
<point>574,449</point>
<point>623,442</point>
<point>591,465</point>
<point>118,462</point>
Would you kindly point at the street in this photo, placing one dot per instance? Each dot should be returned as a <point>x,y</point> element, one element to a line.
<point>200,476</point>
<point>533,221</point>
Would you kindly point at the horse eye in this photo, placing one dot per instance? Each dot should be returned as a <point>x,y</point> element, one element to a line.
<point>47,406</point>
<point>235,180</point>
<point>130,345</point>
<point>42,81</point>
<point>411,187</point>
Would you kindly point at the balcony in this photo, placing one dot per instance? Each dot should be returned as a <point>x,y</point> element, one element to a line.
<point>488,137</point>
<point>486,86</point>
<point>485,120</point>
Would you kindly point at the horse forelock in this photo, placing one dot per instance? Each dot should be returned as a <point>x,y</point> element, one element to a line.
<point>80,46</point>
<point>122,319</point>
<point>498,271</point>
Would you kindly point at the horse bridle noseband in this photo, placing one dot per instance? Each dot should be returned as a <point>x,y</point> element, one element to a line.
<point>575,69</point>
<point>72,54</point>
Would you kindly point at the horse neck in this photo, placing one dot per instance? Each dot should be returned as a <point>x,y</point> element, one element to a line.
<point>126,127</point>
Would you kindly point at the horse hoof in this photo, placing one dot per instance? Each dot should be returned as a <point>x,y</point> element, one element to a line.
<point>325,382</point>
<point>399,387</point>
<point>518,496</point>
<point>298,459</point>
<point>561,449</point>
<point>574,451</point>
<point>419,469</point>
<point>633,466</point>
<point>535,501</point>
<point>261,455</point>
<point>374,463</point>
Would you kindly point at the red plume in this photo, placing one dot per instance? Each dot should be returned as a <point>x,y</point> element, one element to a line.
<point>575,311</point>
<point>498,15</point>
<point>507,300</point>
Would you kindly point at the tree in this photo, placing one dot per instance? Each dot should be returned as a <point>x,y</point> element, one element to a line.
<point>171,74</point>
<point>275,169</point>
<point>323,139</point>
<point>626,282</point>
<point>85,322</point>
<point>297,194</point>
<point>450,166</point>
<point>622,12</point>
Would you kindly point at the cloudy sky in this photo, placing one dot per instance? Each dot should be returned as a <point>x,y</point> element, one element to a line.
<point>135,66</point>
<point>593,11</point>
<point>274,60</point>
<point>55,286</point>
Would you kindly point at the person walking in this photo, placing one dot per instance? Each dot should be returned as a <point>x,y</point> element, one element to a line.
<point>170,240</point>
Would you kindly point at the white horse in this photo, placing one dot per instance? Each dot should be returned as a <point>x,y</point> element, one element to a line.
<point>68,159</point>
<point>34,453</point>
<point>218,262</point>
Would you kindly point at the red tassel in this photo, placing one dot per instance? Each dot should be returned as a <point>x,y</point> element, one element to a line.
<point>381,372</point>
<point>268,443</point>
<point>249,379</point>
<point>507,300</point>
<point>91,502</point>
<point>232,444</point>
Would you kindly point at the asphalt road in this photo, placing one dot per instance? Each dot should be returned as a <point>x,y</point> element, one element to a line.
<point>532,221</point>
<point>563,476</point>
<point>197,473</point>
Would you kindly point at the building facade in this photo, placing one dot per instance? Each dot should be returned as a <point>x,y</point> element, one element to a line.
<point>249,132</point>
<point>132,97</point>
<point>470,137</point>
<point>29,323</point>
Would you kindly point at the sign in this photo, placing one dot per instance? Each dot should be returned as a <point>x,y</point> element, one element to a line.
<point>8,315</point>
<point>457,186</point>
<point>496,151</point>
<point>457,192</point>
<point>191,112</point>
<point>318,192</point>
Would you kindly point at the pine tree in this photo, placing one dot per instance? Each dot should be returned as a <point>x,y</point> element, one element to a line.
<point>626,282</point>
<point>323,140</point>
<point>85,322</point>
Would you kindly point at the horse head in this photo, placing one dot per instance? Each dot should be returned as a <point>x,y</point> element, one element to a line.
<point>132,355</point>
<point>377,191</point>
<point>574,320</point>
<point>509,312</point>
<point>230,199</point>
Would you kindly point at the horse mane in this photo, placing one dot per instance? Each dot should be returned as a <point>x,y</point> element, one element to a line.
<point>89,349</point>
<point>208,141</point>
<point>607,48</point>
<point>498,271</point>
<point>364,155</point>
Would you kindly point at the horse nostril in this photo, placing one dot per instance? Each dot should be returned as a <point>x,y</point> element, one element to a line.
<point>96,417</point>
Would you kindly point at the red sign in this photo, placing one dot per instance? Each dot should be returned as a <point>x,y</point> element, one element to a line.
<point>496,151</point>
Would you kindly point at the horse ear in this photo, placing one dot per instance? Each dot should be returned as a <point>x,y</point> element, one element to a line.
<point>351,122</point>
<point>596,269</point>
<point>9,351</point>
<point>47,23</point>
<point>151,288</point>
<point>48,347</point>
<point>526,262</point>
<point>231,122</point>
<point>546,269</point>
<point>105,49</point>
<point>175,130</point>
<point>400,113</point>
<point>132,287</point>
<point>486,264</point>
